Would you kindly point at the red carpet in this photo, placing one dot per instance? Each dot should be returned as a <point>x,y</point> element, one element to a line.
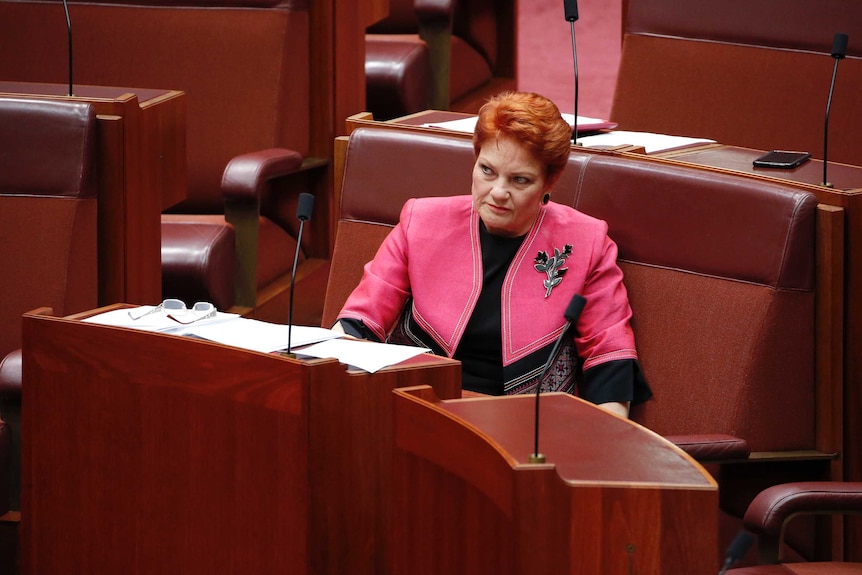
<point>545,53</point>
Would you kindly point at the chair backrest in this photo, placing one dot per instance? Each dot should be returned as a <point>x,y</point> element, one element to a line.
<point>243,65</point>
<point>47,211</point>
<point>752,74</point>
<point>719,270</point>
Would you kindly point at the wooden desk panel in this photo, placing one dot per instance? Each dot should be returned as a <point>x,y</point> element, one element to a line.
<point>142,144</point>
<point>152,453</point>
<point>613,498</point>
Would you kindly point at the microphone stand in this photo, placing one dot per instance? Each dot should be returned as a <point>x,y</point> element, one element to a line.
<point>303,213</point>
<point>572,313</point>
<point>69,33</point>
<point>575,58</point>
<point>570,8</point>
<point>839,49</point>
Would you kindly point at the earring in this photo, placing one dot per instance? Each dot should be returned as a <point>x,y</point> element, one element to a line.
<point>546,198</point>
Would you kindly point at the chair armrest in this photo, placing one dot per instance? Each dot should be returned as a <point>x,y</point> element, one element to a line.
<point>10,376</point>
<point>246,175</point>
<point>771,510</point>
<point>712,447</point>
<point>774,506</point>
<point>243,184</point>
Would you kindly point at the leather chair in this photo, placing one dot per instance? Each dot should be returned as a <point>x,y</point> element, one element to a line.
<point>48,216</point>
<point>441,54</point>
<point>770,512</point>
<point>244,67</point>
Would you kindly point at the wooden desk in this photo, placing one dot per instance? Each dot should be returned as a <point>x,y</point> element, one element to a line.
<point>142,144</point>
<point>612,498</point>
<point>152,453</point>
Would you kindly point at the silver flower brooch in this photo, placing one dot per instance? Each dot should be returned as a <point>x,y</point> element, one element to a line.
<point>552,266</point>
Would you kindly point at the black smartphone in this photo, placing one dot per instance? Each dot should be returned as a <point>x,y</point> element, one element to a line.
<point>781,159</point>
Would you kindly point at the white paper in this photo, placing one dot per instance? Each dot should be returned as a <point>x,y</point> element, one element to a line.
<point>650,142</point>
<point>225,328</point>
<point>468,125</point>
<point>259,335</point>
<point>365,355</point>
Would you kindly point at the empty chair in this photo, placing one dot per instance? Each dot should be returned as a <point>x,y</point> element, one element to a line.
<point>48,226</point>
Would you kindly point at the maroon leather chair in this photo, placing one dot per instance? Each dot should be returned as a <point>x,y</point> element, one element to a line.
<point>244,66</point>
<point>441,54</point>
<point>48,221</point>
<point>770,512</point>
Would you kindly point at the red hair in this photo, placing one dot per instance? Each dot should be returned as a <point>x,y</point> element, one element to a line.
<point>533,121</point>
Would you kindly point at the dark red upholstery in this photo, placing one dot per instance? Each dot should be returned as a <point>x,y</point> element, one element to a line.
<point>752,74</point>
<point>244,67</point>
<point>470,54</point>
<point>48,253</point>
<point>398,77</point>
<point>47,211</point>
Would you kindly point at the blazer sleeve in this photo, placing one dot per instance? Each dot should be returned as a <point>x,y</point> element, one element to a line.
<point>384,289</point>
<point>604,328</point>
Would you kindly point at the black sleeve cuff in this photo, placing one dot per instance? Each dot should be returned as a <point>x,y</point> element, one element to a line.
<point>615,381</point>
<point>356,328</point>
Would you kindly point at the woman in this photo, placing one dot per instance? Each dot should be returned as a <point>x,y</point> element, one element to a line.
<point>486,278</point>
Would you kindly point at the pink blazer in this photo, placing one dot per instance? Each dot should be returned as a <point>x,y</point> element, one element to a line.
<point>433,255</point>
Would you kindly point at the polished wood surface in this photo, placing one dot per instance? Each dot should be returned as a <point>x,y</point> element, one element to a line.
<point>142,146</point>
<point>151,453</point>
<point>612,497</point>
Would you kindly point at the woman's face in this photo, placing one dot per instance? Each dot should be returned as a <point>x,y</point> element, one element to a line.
<point>508,185</point>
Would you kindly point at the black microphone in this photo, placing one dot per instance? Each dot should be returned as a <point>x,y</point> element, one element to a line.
<point>69,33</point>
<point>839,50</point>
<point>303,214</point>
<point>572,313</point>
<point>571,9</point>
<point>737,550</point>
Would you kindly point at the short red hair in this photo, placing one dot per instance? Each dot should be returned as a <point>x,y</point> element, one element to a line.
<point>532,120</point>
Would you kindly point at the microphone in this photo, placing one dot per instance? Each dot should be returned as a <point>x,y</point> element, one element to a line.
<point>839,50</point>
<point>572,313</point>
<point>737,550</point>
<point>69,34</point>
<point>303,214</point>
<point>570,7</point>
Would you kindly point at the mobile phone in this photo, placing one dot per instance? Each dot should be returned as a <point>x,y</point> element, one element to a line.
<point>781,159</point>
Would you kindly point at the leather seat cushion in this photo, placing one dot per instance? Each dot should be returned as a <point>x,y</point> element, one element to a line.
<point>397,75</point>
